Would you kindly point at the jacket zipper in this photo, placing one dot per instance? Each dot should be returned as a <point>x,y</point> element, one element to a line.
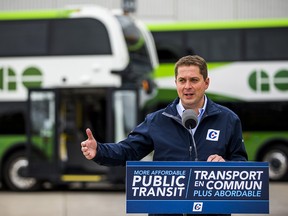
<point>180,122</point>
<point>190,150</point>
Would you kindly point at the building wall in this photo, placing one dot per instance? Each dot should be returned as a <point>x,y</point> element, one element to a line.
<point>173,10</point>
<point>211,9</point>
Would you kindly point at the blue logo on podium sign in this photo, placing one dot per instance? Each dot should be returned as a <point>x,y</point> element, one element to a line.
<point>197,207</point>
<point>200,187</point>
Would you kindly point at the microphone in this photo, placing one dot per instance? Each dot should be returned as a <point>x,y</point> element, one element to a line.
<point>190,121</point>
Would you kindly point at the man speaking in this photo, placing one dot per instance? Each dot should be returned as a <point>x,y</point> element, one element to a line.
<point>216,135</point>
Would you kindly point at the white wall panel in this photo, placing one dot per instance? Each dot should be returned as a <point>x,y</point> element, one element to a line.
<point>163,10</point>
<point>250,9</point>
<point>47,4</point>
<point>205,9</point>
<point>104,3</point>
<point>167,10</point>
<point>26,4</point>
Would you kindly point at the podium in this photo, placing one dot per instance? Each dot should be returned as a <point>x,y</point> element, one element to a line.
<point>197,187</point>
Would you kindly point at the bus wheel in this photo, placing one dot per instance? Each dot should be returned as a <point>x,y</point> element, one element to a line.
<point>277,157</point>
<point>13,173</point>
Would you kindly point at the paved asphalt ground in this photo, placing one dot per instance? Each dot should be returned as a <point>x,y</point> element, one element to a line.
<point>99,202</point>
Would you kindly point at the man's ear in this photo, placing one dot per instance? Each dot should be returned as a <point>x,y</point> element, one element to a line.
<point>207,82</point>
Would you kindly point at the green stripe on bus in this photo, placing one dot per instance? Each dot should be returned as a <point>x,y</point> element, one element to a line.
<point>254,140</point>
<point>167,70</point>
<point>36,14</point>
<point>206,25</point>
<point>7,141</point>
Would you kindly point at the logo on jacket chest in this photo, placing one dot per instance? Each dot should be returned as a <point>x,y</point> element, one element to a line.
<point>213,135</point>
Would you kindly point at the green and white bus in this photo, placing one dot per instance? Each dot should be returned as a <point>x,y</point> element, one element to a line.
<point>62,71</point>
<point>248,67</point>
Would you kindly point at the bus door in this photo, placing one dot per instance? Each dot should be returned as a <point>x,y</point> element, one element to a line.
<point>110,113</point>
<point>79,109</point>
<point>42,133</point>
<point>126,115</point>
<point>58,120</point>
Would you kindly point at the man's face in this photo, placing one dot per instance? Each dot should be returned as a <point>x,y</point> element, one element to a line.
<point>191,86</point>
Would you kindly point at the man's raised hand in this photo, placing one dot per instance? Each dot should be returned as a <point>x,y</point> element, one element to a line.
<point>89,146</point>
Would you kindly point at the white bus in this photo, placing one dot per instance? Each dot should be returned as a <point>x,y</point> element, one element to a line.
<point>62,71</point>
<point>248,66</point>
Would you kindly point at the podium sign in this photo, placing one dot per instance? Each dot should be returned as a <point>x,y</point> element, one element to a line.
<point>197,187</point>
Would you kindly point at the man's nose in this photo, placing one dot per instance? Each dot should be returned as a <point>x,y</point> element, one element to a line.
<point>188,84</point>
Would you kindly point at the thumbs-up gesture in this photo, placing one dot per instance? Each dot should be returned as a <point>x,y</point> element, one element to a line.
<point>89,146</point>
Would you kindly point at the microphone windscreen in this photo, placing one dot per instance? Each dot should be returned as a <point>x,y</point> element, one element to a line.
<point>189,119</point>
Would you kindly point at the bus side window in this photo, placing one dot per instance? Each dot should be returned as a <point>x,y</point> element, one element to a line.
<point>23,38</point>
<point>79,37</point>
<point>210,44</point>
<point>266,44</point>
<point>169,49</point>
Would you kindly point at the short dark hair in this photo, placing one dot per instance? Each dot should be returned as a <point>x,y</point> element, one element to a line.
<point>192,60</point>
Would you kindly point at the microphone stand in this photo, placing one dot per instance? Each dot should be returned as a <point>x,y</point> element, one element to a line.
<point>195,150</point>
<point>194,144</point>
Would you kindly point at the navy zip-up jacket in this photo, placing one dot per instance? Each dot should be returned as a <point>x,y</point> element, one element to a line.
<point>219,132</point>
